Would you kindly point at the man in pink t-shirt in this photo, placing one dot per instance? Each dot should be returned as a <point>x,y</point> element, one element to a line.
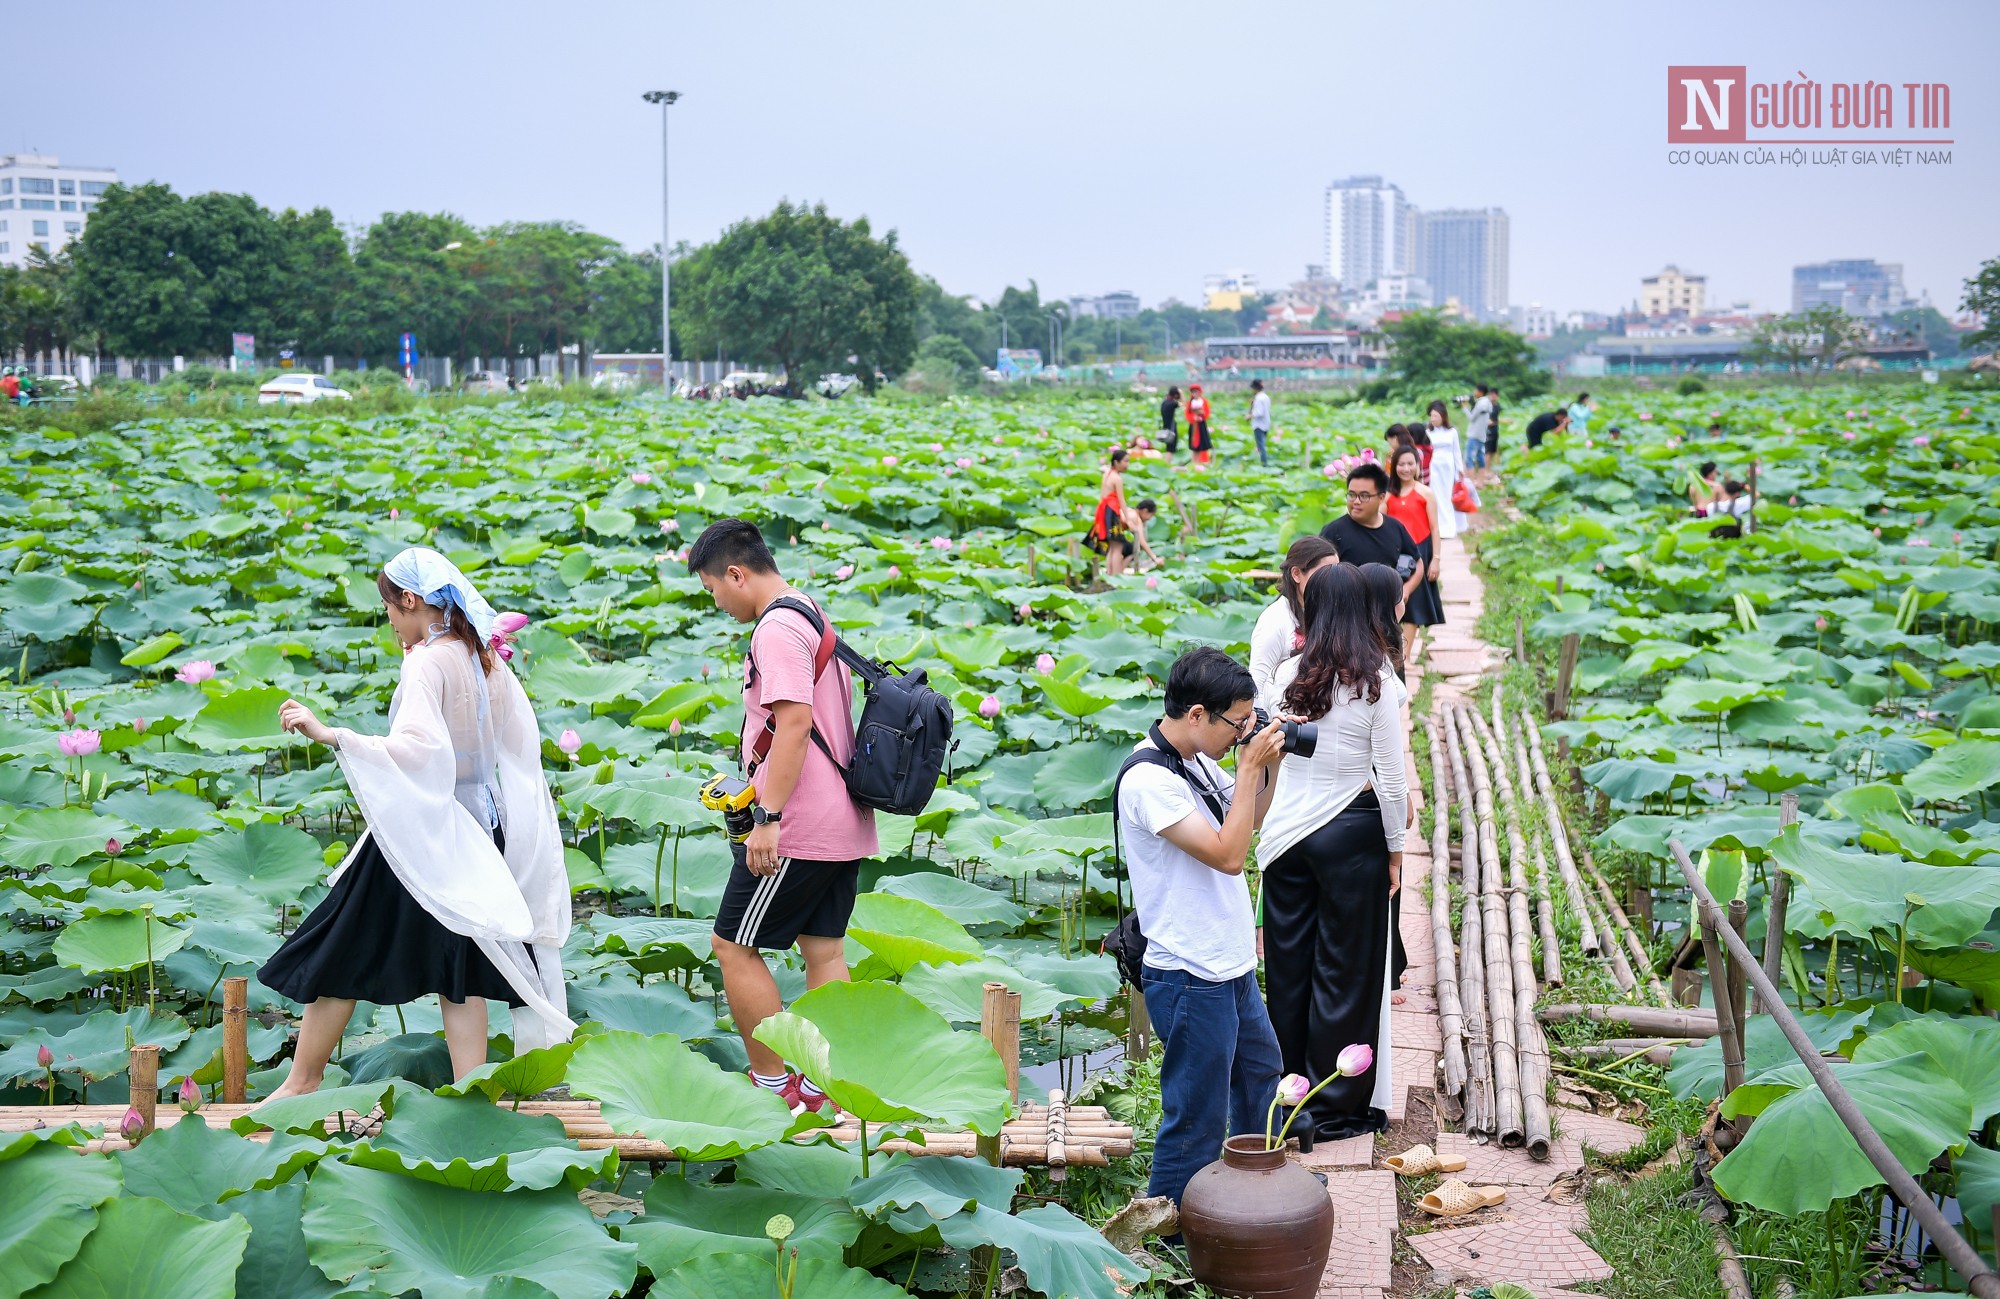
<point>794,880</point>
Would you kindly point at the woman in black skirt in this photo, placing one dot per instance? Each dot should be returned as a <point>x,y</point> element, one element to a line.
<point>1414,506</point>
<point>458,886</point>
<point>1332,854</point>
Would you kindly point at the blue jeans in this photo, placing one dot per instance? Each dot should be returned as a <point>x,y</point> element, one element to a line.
<point>1475,451</point>
<point>1219,1072</point>
<point>1262,434</point>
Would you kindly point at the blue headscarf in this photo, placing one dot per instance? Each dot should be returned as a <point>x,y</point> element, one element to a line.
<point>438,582</point>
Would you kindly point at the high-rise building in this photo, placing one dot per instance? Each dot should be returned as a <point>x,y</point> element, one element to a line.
<point>1672,293</point>
<point>1226,290</point>
<point>1860,287</point>
<point>1465,259</point>
<point>1369,228</point>
<point>43,204</point>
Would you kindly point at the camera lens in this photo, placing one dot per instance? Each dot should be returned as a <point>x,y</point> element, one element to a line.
<point>1301,738</point>
<point>1259,719</point>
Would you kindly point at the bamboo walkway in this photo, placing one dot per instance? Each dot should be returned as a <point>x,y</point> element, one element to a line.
<point>1530,1240</point>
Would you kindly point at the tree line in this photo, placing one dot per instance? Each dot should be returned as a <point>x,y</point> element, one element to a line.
<point>158,274</point>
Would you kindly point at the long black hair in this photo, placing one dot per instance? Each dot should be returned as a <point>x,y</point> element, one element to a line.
<point>1385,592</point>
<point>1442,411</point>
<point>1342,648</point>
<point>1302,556</point>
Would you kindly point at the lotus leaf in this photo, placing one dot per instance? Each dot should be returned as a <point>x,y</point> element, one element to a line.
<point>1060,1253</point>
<point>273,863</point>
<point>745,1276</point>
<point>685,1221</point>
<point>904,932</point>
<point>964,902</point>
<point>48,1204</point>
<point>475,1145</point>
<point>657,1087</point>
<point>188,1164</point>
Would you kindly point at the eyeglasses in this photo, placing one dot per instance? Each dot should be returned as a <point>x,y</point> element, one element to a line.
<point>1362,496</point>
<point>1237,724</point>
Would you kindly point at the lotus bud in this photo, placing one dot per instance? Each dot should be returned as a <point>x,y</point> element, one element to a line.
<point>1355,1060</point>
<point>69,717</point>
<point>1026,611</point>
<point>569,742</point>
<point>1292,1090</point>
<point>674,727</point>
<point>1878,532</point>
<point>895,572</point>
<point>989,707</point>
<point>795,538</point>
<point>1820,623</point>
<point>44,1057</point>
<point>189,1097</point>
<point>112,847</point>
<point>394,514</point>
<point>844,572</point>
<point>1045,663</point>
<point>705,669</point>
<point>890,461</point>
<point>139,725</point>
<point>133,1125</point>
<point>1956,538</point>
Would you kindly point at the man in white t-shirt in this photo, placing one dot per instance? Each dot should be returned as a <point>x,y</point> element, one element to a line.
<point>1260,419</point>
<point>1477,426</point>
<point>1185,841</point>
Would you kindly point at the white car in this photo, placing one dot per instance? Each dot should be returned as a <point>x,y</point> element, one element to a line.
<point>297,389</point>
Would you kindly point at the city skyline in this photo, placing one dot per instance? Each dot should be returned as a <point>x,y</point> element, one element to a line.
<point>1086,193</point>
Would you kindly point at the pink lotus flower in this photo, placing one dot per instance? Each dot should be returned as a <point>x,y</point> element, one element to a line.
<point>69,717</point>
<point>1645,415</point>
<point>1791,500</point>
<point>963,463</point>
<point>1878,531</point>
<point>1026,611</point>
<point>133,1125</point>
<point>1368,453</point>
<point>705,670</point>
<point>1848,435</point>
<point>1672,443</point>
<point>196,672</point>
<point>1851,414</point>
<point>306,526</point>
<point>670,525</point>
<point>989,707</point>
<point>189,1096</point>
<point>674,727</point>
<point>1045,663</point>
<point>502,639</point>
<point>1820,623</point>
<point>1331,470</point>
<point>889,461</point>
<point>1292,1089</point>
<point>79,743</point>
<point>1152,584</point>
<point>895,572</point>
<point>1920,441</point>
<point>1956,539</point>
<point>394,514</point>
<point>844,572</point>
<point>569,742</point>
<point>1919,541</point>
<point>45,1057</point>
<point>940,543</point>
<point>937,446</point>
<point>1355,1060</point>
<point>112,847</point>
<point>965,545</point>
<point>642,478</point>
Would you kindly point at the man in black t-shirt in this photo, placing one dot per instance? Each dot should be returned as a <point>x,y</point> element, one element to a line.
<point>1366,535</point>
<point>1554,421</point>
<point>1170,430</point>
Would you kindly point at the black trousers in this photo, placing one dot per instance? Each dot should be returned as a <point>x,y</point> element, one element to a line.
<point>1327,923</point>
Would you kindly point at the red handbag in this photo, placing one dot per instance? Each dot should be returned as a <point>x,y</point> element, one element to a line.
<point>1463,498</point>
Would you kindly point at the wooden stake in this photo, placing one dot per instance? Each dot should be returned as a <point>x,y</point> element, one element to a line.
<point>235,1039</point>
<point>1718,986</point>
<point>1565,675</point>
<point>145,1079</point>
<point>1138,1027</point>
<point>1000,1024</point>
<point>1781,893</point>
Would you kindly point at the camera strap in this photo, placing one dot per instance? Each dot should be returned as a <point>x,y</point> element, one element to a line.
<point>1126,943</point>
<point>829,647</point>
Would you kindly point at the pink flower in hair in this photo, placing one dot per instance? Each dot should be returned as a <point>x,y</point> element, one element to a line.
<point>504,627</point>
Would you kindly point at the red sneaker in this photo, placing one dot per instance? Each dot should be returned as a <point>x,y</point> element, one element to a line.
<point>799,1098</point>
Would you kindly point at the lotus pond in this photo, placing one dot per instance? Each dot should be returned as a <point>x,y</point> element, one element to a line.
<point>1844,652</point>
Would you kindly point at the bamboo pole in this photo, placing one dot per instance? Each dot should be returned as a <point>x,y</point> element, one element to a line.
<point>235,1039</point>
<point>1691,1022</point>
<point>1718,987</point>
<point>1642,961</point>
<point>1496,946</point>
<point>1559,841</point>
<point>1054,1150</point>
<point>1981,1280</point>
<point>1000,1024</point>
<point>1739,983</point>
<point>145,1081</point>
<point>1451,1015</point>
<point>1545,921</point>
<point>1781,893</point>
<point>1530,1043</point>
<point>1479,1100</point>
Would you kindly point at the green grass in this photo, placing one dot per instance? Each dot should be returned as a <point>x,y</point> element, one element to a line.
<point>1656,1245</point>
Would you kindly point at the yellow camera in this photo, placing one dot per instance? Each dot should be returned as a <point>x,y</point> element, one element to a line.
<point>732,796</point>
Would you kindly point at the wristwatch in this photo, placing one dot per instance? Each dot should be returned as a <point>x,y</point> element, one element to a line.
<point>761,815</point>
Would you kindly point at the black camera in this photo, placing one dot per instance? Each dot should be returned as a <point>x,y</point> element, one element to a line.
<point>1301,738</point>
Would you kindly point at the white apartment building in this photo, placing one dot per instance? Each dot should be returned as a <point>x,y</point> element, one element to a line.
<point>44,204</point>
<point>1370,231</point>
<point>1673,293</point>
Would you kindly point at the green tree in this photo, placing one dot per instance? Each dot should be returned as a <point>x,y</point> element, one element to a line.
<point>1982,295</point>
<point>407,276</point>
<point>625,303</point>
<point>317,272</point>
<point>1811,343</point>
<point>1431,352</point>
<point>38,306</point>
<point>946,362</point>
<point>939,312</point>
<point>803,289</point>
<point>1928,326</point>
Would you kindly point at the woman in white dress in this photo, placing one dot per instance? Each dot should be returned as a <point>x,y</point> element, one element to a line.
<point>1331,853</point>
<point>1447,467</point>
<point>1277,637</point>
<point>458,886</point>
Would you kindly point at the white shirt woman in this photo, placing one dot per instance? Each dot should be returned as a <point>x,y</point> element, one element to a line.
<point>1447,467</point>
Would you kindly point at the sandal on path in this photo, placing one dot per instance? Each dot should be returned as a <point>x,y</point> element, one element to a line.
<point>1454,1199</point>
<point>1418,1161</point>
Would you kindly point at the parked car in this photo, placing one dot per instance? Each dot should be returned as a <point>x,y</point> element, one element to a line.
<point>296,389</point>
<point>483,383</point>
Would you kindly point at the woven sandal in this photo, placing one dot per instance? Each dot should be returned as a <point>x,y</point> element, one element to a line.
<point>1418,1161</point>
<point>1454,1199</point>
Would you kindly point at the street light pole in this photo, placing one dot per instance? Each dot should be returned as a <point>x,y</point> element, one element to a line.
<point>665,99</point>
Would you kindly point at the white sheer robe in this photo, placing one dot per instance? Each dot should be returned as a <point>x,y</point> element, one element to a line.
<point>458,760</point>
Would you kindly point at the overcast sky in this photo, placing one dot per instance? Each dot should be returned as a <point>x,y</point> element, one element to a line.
<point>1089,145</point>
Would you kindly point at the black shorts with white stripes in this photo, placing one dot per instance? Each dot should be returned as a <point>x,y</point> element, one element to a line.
<point>814,898</point>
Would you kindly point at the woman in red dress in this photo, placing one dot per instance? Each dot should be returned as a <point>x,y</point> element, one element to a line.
<point>1197,418</point>
<point>1415,506</point>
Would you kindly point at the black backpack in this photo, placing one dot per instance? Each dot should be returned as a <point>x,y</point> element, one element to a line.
<point>1126,944</point>
<point>903,739</point>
